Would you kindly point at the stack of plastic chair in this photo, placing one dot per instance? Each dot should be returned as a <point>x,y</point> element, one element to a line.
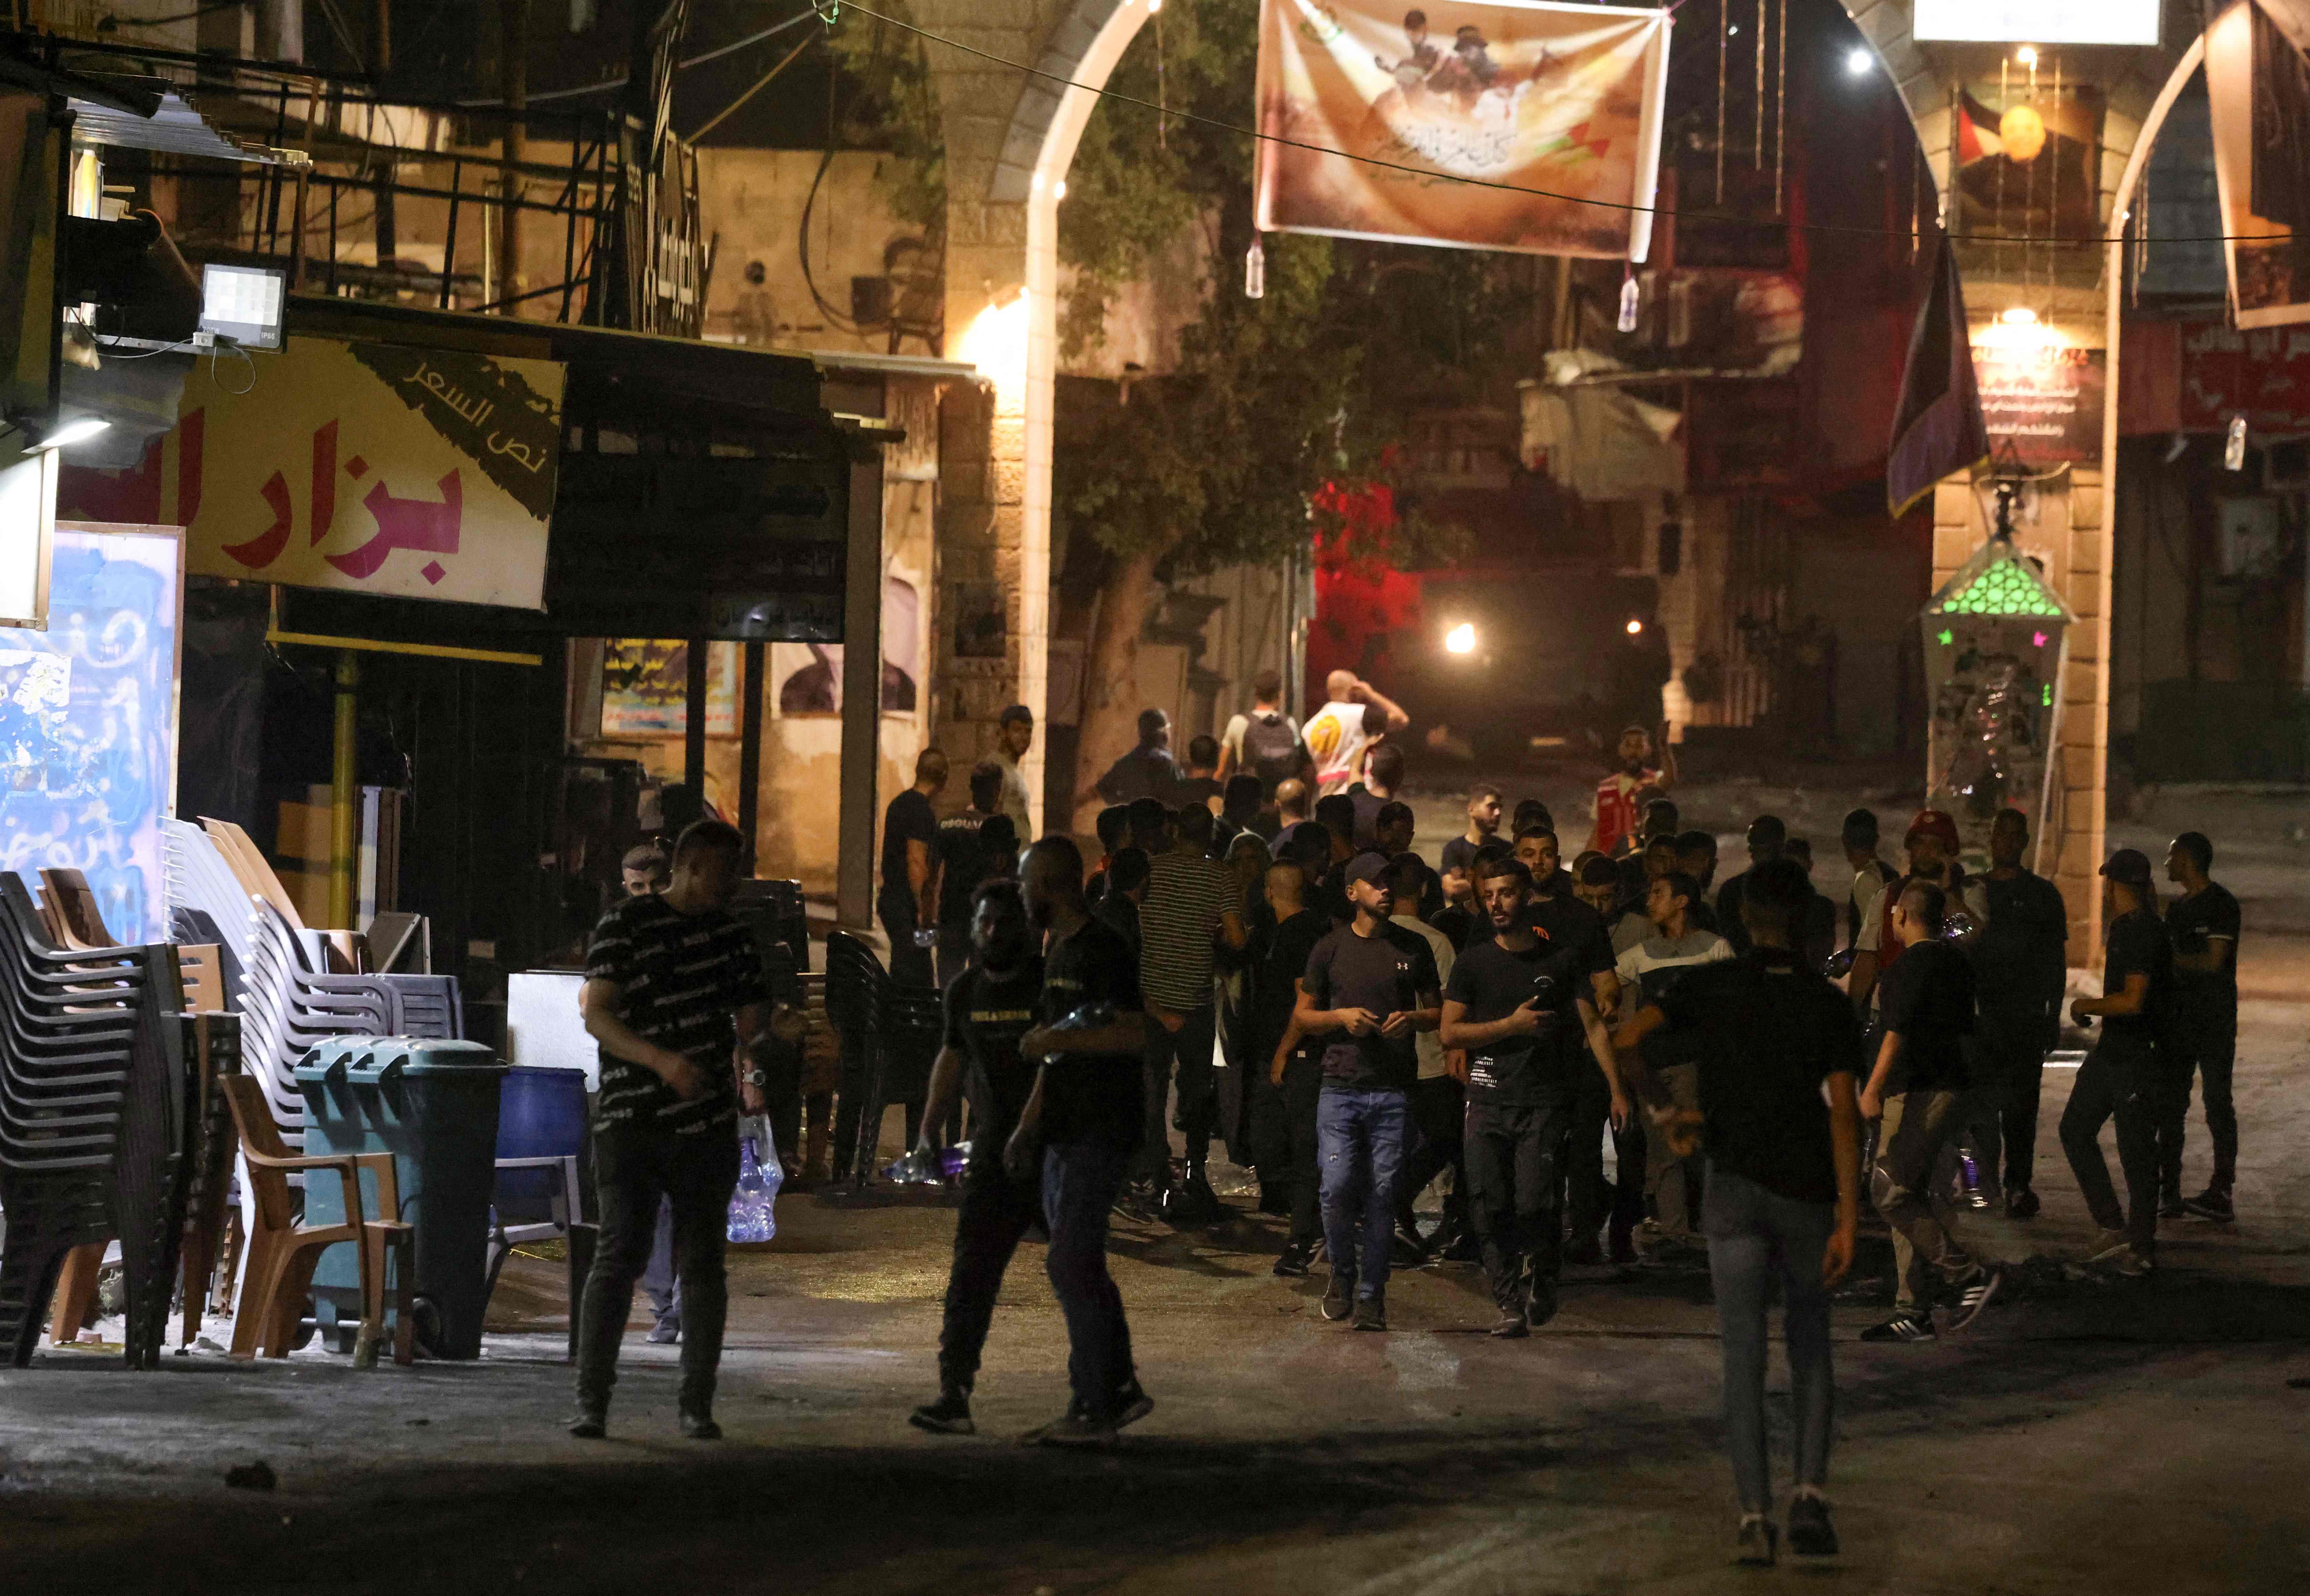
<point>212,1047</point>
<point>199,879</point>
<point>92,1122</point>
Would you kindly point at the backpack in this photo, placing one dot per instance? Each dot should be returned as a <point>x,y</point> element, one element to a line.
<point>1270,748</point>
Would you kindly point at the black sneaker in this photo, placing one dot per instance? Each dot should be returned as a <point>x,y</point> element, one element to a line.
<point>1811,1534</point>
<point>2172,1208</point>
<point>1757,1545</point>
<point>1275,1200</point>
<point>1340,1297</point>
<point>2021,1203</point>
<point>1132,1404</point>
<point>1512,1326</point>
<point>1292,1264</point>
<point>1974,1295</point>
<point>1539,1303</point>
<point>1902,1327</point>
<point>1371,1314</point>
<point>948,1416</point>
<point>591,1424</point>
<point>1586,1252</point>
<point>1406,1250</point>
<point>1463,1248</point>
<point>698,1426</point>
<point>2213,1203</point>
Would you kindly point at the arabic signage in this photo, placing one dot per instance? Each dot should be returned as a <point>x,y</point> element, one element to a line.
<point>2043,394</point>
<point>2258,84</point>
<point>369,468</point>
<point>1436,127</point>
<point>88,723</point>
<point>2036,22</point>
<point>2263,376</point>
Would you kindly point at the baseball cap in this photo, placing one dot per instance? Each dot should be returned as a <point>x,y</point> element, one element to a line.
<point>1367,867</point>
<point>1934,823</point>
<point>2130,866</point>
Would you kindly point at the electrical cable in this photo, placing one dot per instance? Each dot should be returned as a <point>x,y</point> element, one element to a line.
<point>715,54</point>
<point>1423,172</point>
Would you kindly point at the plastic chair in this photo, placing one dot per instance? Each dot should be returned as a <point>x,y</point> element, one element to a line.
<point>282,1251</point>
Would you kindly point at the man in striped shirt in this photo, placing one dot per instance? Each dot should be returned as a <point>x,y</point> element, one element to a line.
<point>675,995</point>
<point>1191,899</point>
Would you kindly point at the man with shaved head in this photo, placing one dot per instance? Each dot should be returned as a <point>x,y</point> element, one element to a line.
<point>908,902</point>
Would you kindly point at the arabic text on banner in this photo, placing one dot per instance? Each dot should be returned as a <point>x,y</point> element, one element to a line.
<point>1564,99</point>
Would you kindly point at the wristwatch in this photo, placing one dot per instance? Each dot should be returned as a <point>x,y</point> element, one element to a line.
<point>758,1079</point>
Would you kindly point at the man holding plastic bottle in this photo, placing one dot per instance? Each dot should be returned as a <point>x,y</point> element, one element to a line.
<point>675,995</point>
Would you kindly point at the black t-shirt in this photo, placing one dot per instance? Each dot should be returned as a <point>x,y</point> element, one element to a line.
<point>1728,912</point>
<point>1494,982</point>
<point>962,859</point>
<point>1195,789</point>
<point>1456,923</point>
<point>1330,894</point>
<point>1369,804</point>
<point>683,979</point>
<point>2191,924</point>
<point>1770,1031</point>
<point>1142,773</point>
<point>1282,960</point>
<point>1460,855</point>
<point>1927,996</point>
<point>2137,947</point>
<point>1573,927</point>
<point>2020,961</point>
<point>1092,1097</point>
<point>909,818</point>
<point>985,1016</point>
<point>1385,973</point>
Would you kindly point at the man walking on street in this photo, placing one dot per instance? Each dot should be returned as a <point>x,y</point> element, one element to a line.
<point>1147,771</point>
<point>1284,1115</point>
<point>1264,742</point>
<point>674,996</point>
<point>1368,990</point>
<point>1932,848</point>
<point>1777,1048</point>
<point>2202,926</point>
<point>1437,1106</point>
<point>2020,970</point>
<point>1767,835</point>
<point>1651,970</point>
<point>1519,1004</point>
<point>1192,901</point>
<point>2119,1079</point>
<point>908,904</point>
<point>1080,1121</point>
<point>1916,1088</point>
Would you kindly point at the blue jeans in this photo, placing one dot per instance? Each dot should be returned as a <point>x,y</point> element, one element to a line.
<point>1753,1234</point>
<point>1362,1140</point>
<point>1081,1180</point>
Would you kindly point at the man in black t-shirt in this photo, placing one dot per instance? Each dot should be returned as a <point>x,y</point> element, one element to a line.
<point>1518,1005</point>
<point>1777,1049</point>
<point>2021,966</point>
<point>2119,1079</point>
<point>908,904</point>
<point>675,995</point>
<point>989,1006</point>
<point>2202,926</point>
<point>1081,1122</point>
<point>1916,1088</point>
<point>961,866</point>
<point>1369,987</point>
<point>1458,861</point>
<point>1767,835</point>
<point>1283,1102</point>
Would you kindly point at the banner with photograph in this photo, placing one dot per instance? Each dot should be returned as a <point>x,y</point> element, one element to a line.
<point>1388,115</point>
<point>2258,83</point>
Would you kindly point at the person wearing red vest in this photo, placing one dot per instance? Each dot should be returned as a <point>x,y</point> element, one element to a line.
<point>1932,848</point>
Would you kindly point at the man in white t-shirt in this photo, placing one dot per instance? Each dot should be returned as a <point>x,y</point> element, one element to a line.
<point>1337,734</point>
<point>1647,971</point>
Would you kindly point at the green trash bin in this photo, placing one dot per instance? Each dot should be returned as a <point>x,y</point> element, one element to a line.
<point>432,1104</point>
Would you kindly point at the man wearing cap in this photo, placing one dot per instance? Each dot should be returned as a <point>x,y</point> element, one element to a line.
<point>2119,1079</point>
<point>1932,848</point>
<point>1014,736</point>
<point>1370,986</point>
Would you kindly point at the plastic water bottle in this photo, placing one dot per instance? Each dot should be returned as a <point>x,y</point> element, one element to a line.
<point>758,1188</point>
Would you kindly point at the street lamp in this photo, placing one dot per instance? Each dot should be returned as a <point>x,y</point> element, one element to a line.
<point>1460,639</point>
<point>1859,61</point>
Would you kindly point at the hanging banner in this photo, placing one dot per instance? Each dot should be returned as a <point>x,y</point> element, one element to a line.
<point>2258,84</point>
<point>1388,112</point>
<point>375,468</point>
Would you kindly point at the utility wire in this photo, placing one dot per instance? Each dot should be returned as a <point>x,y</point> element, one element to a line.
<point>1417,171</point>
<point>760,83</point>
<point>716,53</point>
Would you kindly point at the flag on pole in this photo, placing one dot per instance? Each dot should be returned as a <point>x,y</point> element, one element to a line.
<point>1938,428</point>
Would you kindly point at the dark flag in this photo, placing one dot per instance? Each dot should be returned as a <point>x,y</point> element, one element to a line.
<point>1937,430</point>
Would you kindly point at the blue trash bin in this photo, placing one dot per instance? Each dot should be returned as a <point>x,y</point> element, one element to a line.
<point>433,1105</point>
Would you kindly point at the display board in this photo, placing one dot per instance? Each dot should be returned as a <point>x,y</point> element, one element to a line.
<point>88,722</point>
<point>2258,85</point>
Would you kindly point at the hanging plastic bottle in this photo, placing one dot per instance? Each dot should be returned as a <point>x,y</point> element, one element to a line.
<point>758,1187</point>
<point>1255,270</point>
<point>2233,450</point>
<point>1631,295</point>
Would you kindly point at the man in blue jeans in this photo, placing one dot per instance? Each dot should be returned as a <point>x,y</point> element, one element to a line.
<point>1778,1055</point>
<point>1370,986</point>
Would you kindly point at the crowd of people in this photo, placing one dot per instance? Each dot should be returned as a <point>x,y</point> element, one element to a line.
<point>1259,960</point>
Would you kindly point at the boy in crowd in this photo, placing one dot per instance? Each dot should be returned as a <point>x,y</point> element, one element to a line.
<point>2203,925</point>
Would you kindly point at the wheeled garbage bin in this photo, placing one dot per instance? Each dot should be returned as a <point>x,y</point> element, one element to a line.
<point>433,1105</point>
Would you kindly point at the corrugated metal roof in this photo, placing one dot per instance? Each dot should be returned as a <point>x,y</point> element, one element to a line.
<point>175,128</point>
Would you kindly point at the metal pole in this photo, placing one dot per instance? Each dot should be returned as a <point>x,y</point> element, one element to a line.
<point>862,694</point>
<point>750,751</point>
<point>693,724</point>
<point>344,848</point>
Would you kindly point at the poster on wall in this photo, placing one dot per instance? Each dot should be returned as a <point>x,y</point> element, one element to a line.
<point>2026,149</point>
<point>2042,395</point>
<point>370,468</point>
<point>646,688</point>
<point>808,676</point>
<point>1375,120</point>
<point>88,723</point>
<point>2258,84</point>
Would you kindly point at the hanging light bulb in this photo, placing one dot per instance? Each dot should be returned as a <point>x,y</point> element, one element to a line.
<point>1255,270</point>
<point>2233,451</point>
<point>1630,295</point>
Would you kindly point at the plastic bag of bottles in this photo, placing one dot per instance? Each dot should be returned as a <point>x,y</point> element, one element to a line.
<point>914,1167</point>
<point>759,1179</point>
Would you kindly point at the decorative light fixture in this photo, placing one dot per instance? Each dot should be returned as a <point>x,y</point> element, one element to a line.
<point>2027,56</point>
<point>1460,639</point>
<point>1635,627</point>
<point>2019,315</point>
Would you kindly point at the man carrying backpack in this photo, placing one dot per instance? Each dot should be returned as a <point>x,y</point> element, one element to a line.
<point>1266,742</point>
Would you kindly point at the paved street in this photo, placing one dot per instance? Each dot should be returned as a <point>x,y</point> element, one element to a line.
<point>2086,1437</point>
